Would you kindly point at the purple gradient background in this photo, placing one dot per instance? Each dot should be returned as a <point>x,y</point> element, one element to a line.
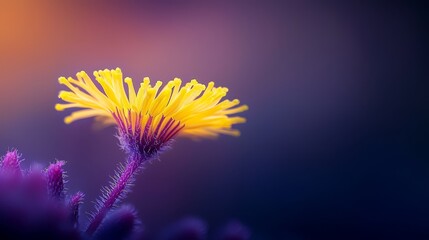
<point>336,140</point>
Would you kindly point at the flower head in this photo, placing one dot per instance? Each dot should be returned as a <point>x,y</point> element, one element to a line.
<point>150,117</point>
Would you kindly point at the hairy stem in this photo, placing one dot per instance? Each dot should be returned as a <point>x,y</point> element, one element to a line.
<point>117,191</point>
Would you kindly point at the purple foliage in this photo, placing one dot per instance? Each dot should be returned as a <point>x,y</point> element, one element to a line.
<point>34,205</point>
<point>121,223</point>
<point>10,163</point>
<point>74,204</point>
<point>55,180</point>
<point>27,211</point>
<point>234,230</point>
<point>186,229</point>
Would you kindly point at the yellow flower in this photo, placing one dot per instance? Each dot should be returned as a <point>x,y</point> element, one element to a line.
<point>151,113</point>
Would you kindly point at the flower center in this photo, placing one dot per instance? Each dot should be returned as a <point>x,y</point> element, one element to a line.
<point>146,135</point>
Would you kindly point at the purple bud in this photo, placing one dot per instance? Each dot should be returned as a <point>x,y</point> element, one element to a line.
<point>119,224</point>
<point>10,163</point>
<point>187,229</point>
<point>55,181</point>
<point>74,203</point>
<point>26,209</point>
<point>234,230</point>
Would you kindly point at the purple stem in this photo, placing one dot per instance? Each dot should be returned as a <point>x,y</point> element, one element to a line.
<point>117,191</point>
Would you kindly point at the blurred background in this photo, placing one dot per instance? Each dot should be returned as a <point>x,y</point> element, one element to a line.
<point>336,141</point>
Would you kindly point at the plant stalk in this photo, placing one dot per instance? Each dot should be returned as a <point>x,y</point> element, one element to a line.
<point>119,190</point>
